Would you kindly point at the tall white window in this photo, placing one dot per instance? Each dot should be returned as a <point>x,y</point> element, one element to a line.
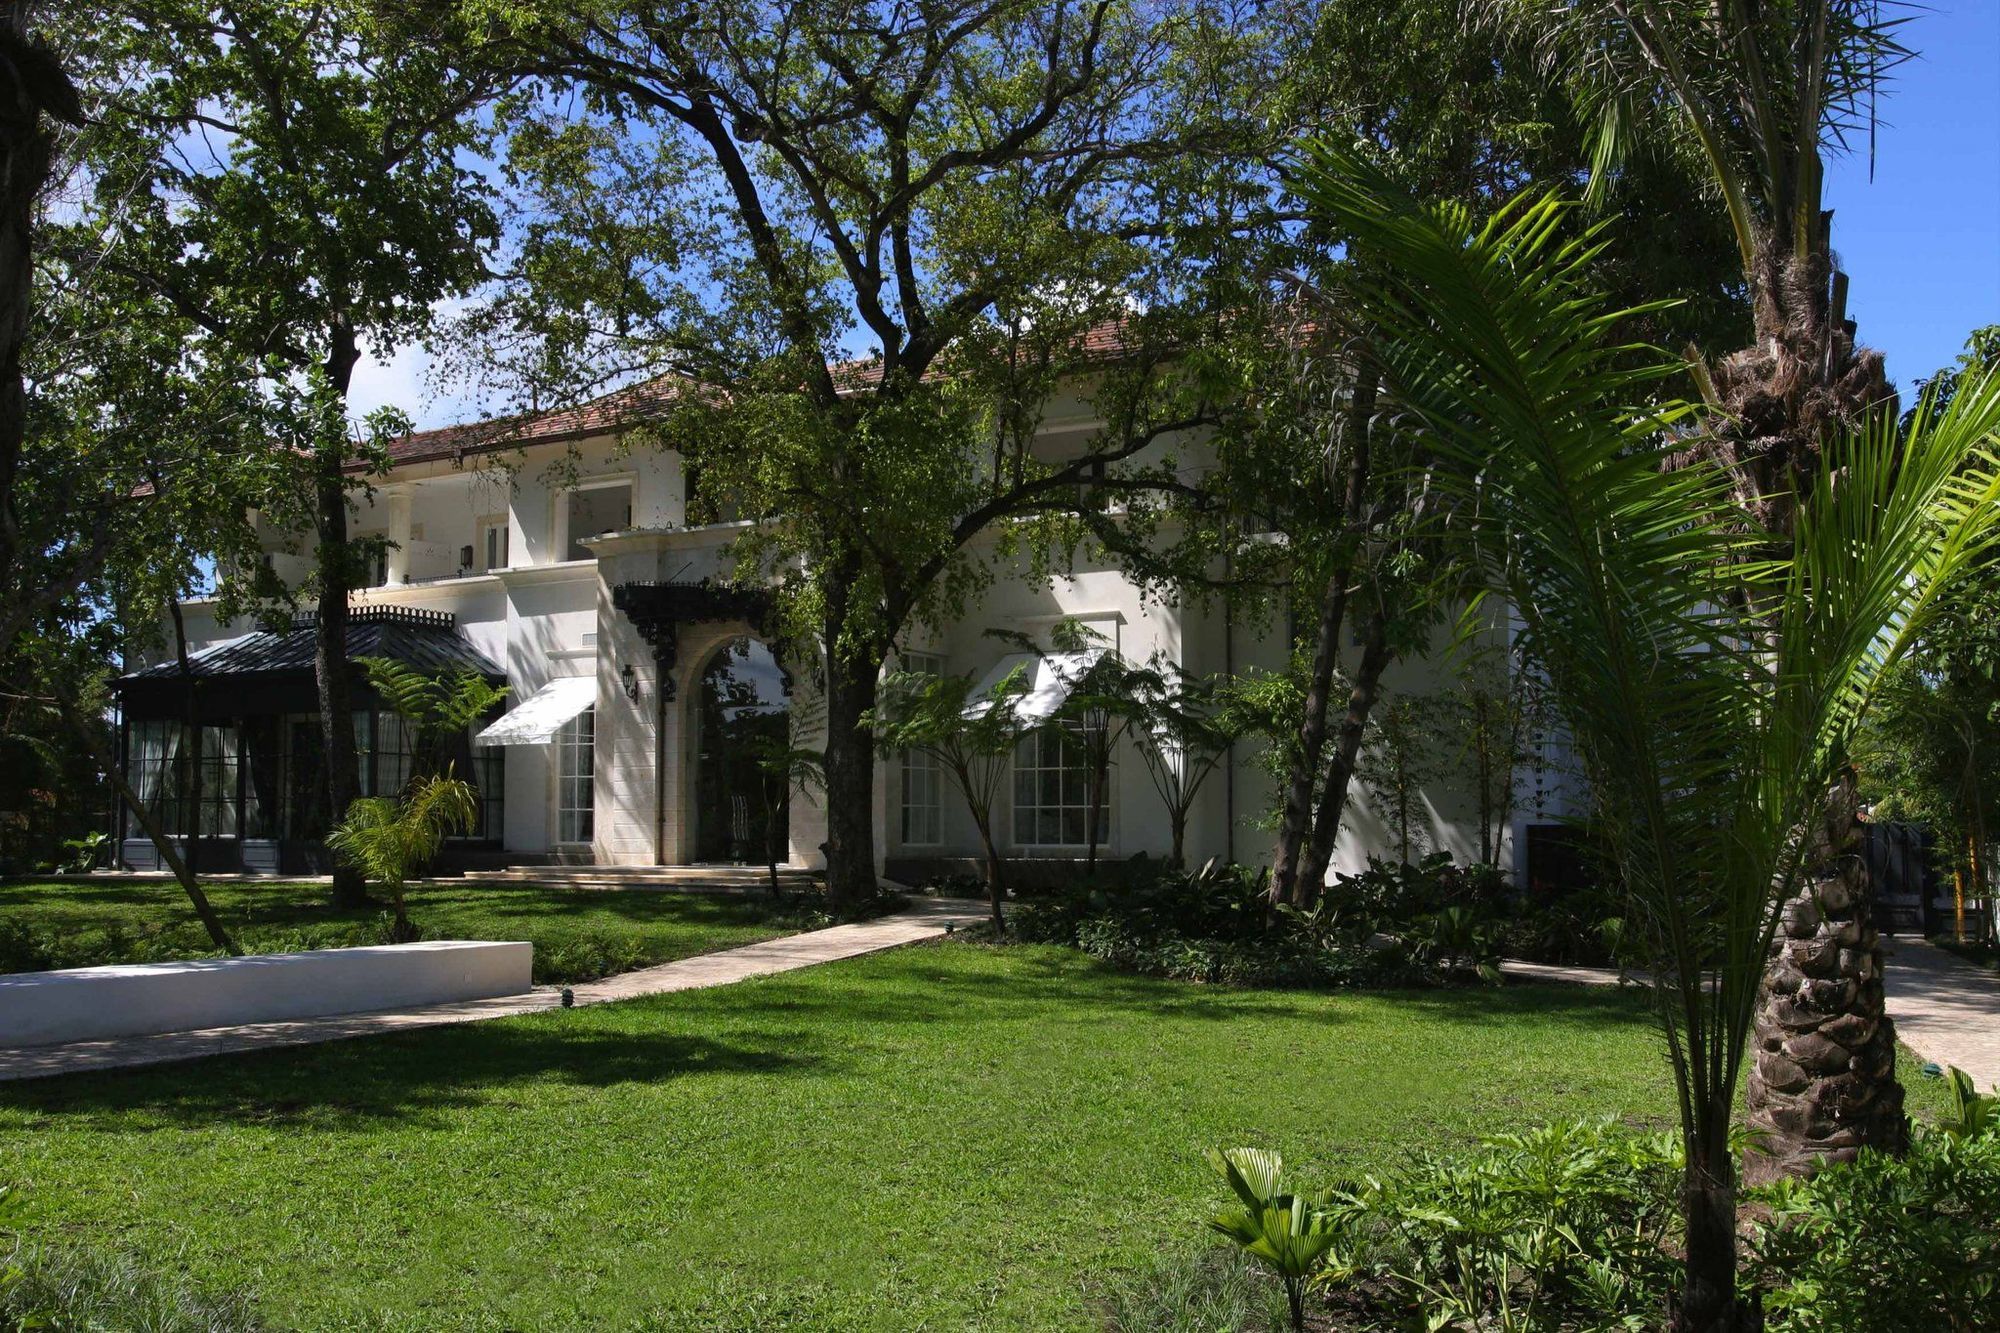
<point>1052,789</point>
<point>576,791</point>
<point>492,548</point>
<point>923,779</point>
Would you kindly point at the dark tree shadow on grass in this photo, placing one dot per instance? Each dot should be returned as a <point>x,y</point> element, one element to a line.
<point>1491,1006</point>
<point>414,1077</point>
<point>925,985</point>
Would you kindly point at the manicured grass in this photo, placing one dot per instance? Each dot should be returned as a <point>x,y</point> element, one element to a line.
<point>577,935</point>
<point>943,1137</point>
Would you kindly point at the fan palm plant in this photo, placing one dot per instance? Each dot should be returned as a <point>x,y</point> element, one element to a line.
<point>1287,1233</point>
<point>785,765</point>
<point>1184,733</point>
<point>387,838</point>
<point>1710,683</point>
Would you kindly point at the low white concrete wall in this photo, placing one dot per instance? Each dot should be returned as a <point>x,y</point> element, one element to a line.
<point>132,1000</point>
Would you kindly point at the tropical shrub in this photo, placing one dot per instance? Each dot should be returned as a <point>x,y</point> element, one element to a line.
<point>1887,1245</point>
<point>1972,1112</point>
<point>1572,1224</point>
<point>1213,925</point>
<point>1291,1235</point>
<point>1584,927</point>
<point>1577,1226</point>
<point>85,854</point>
<point>388,838</point>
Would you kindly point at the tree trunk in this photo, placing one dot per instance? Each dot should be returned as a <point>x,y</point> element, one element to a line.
<point>850,778</point>
<point>26,155</point>
<point>1706,1302</point>
<point>773,831</point>
<point>1822,1081</point>
<point>996,889</point>
<point>1296,821</point>
<point>1100,778</point>
<point>1292,878</point>
<point>336,580</point>
<point>108,763</point>
<point>336,707</point>
<point>1957,899</point>
<point>1978,867</point>
<point>1361,696</point>
<point>1482,722</point>
<point>1782,397</point>
<point>191,722</point>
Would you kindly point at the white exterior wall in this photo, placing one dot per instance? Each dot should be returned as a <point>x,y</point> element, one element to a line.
<point>542,617</point>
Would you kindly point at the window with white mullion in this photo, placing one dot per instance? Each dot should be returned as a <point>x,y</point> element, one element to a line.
<point>1052,789</point>
<point>923,779</point>
<point>576,792</point>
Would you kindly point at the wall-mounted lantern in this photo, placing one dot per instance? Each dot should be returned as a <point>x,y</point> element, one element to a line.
<point>631,679</point>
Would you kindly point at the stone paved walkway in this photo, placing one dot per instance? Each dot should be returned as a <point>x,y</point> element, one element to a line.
<point>1946,1009</point>
<point>924,919</point>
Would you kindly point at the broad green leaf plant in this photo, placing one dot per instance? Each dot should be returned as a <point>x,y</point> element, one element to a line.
<point>1288,1233</point>
<point>1710,688</point>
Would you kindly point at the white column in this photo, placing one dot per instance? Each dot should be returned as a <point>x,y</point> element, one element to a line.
<point>399,533</point>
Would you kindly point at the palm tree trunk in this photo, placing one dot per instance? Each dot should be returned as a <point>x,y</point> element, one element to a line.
<point>1706,1302</point>
<point>1822,1082</point>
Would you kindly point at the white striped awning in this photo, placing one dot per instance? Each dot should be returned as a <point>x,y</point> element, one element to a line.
<point>537,718</point>
<point>1049,680</point>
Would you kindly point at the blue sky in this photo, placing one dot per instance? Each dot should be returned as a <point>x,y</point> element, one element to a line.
<point>1922,241</point>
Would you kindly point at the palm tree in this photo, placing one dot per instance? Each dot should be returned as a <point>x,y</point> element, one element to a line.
<point>1758,92</point>
<point>388,838</point>
<point>1710,682</point>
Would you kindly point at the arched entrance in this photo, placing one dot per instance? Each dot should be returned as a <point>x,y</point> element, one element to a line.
<point>739,810</point>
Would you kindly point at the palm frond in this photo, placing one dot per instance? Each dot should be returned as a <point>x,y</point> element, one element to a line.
<point>1712,692</point>
<point>1758,93</point>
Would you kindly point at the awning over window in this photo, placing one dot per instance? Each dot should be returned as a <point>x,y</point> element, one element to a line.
<point>537,719</point>
<point>1049,681</point>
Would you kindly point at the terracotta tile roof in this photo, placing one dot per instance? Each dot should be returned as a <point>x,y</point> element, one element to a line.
<point>615,411</point>
<point>630,406</point>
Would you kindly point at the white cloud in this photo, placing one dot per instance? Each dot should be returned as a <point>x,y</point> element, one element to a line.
<point>404,381</point>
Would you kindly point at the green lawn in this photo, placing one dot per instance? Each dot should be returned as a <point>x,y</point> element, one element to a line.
<point>577,935</point>
<point>943,1137</point>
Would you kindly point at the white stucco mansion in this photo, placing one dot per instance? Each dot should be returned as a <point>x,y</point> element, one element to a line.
<point>548,556</point>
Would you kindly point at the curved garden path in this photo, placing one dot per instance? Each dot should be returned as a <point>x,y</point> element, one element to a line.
<point>923,919</point>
